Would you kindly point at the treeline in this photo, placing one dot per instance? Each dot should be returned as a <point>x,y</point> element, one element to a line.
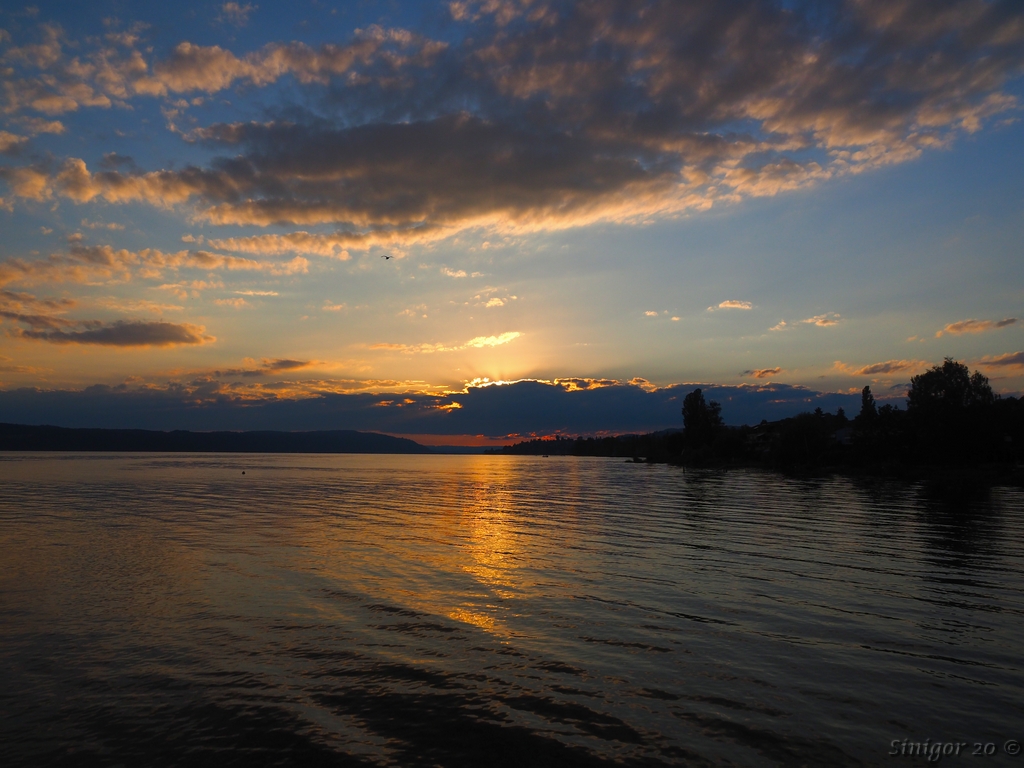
<point>655,446</point>
<point>23,437</point>
<point>952,420</point>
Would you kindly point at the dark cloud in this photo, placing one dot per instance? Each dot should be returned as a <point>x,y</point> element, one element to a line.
<point>120,334</point>
<point>285,365</point>
<point>523,408</point>
<point>269,367</point>
<point>45,322</point>
<point>112,161</point>
<point>441,171</point>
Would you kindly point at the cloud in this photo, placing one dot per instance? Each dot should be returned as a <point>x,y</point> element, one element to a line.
<point>567,406</point>
<point>278,365</point>
<point>478,342</point>
<point>237,302</point>
<point>196,287</point>
<point>453,272</point>
<point>82,263</point>
<point>211,68</point>
<point>268,367</point>
<point>41,76</point>
<point>112,161</point>
<point>882,369</point>
<point>975,326</point>
<point>734,304</point>
<point>391,346</point>
<point>235,13</point>
<point>780,326</point>
<point>37,125</point>
<point>1008,360</point>
<point>762,373</point>
<point>604,111</point>
<point>405,182</point>
<point>419,310</point>
<point>27,182</point>
<point>37,313</point>
<point>138,305</point>
<point>125,334</point>
<point>335,245</point>
<point>823,321</point>
<point>17,300</point>
<point>493,341</point>
<point>101,225</point>
<point>9,142</point>
<point>574,383</point>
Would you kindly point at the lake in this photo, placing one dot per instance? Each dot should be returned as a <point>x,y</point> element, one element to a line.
<point>167,609</point>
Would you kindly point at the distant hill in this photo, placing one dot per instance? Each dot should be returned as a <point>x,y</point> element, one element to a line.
<point>22,437</point>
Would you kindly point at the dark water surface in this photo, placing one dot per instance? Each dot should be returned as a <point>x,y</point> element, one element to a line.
<point>492,611</point>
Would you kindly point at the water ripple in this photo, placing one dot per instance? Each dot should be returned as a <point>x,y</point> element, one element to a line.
<point>462,611</point>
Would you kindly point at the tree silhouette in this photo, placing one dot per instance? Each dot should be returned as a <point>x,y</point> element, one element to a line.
<point>701,421</point>
<point>868,412</point>
<point>949,387</point>
<point>951,412</point>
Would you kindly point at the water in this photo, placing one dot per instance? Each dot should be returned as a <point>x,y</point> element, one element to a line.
<point>491,611</point>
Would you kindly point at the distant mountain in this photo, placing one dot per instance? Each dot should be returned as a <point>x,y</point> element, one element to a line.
<point>22,437</point>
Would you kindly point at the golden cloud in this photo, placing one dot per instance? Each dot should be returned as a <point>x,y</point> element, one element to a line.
<point>1008,360</point>
<point>975,326</point>
<point>823,321</point>
<point>883,369</point>
<point>478,342</point>
<point>762,373</point>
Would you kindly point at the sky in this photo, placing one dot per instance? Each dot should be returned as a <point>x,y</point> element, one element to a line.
<point>471,222</point>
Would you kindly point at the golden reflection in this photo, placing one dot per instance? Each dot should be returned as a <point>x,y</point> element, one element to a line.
<point>488,547</point>
<point>493,543</point>
<point>477,619</point>
<point>439,536</point>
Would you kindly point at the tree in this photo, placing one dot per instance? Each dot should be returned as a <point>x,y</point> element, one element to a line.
<point>700,420</point>
<point>868,412</point>
<point>949,386</point>
<point>952,413</point>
